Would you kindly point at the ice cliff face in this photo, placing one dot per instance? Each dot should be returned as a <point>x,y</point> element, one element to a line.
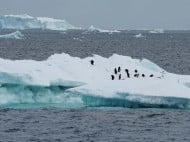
<point>27,22</point>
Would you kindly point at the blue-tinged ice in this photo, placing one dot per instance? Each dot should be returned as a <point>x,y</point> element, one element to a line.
<point>14,35</point>
<point>72,81</point>
<point>27,22</point>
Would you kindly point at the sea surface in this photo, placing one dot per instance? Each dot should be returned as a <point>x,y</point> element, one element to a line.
<point>170,50</point>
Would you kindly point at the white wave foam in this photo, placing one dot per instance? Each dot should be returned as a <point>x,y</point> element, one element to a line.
<point>64,70</point>
<point>14,35</point>
<point>27,22</point>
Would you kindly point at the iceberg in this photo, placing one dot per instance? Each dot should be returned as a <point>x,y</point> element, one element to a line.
<point>94,29</point>
<point>14,35</point>
<point>139,35</point>
<point>25,21</point>
<point>155,31</point>
<point>69,81</point>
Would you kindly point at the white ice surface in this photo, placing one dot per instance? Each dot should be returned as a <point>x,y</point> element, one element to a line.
<point>62,69</point>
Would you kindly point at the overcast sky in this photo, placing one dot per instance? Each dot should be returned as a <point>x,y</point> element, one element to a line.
<point>107,14</point>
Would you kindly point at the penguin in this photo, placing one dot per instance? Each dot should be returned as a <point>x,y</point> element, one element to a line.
<point>143,75</point>
<point>92,62</point>
<point>115,71</point>
<point>119,69</point>
<point>127,71</point>
<point>151,75</point>
<point>112,77</point>
<point>136,74</point>
<point>119,76</point>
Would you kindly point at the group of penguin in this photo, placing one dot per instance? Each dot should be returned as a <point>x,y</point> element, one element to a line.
<point>117,73</point>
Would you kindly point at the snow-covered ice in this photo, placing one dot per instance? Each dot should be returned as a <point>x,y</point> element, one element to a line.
<point>64,70</point>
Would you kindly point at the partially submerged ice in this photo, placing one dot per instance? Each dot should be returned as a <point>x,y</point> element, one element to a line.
<point>72,81</point>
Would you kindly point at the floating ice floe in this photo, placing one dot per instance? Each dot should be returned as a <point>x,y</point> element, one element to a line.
<point>93,29</point>
<point>156,31</point>
<point>27,22</point>
<point>139,35</point>
<point>71,81</point>
<point>14,35</point>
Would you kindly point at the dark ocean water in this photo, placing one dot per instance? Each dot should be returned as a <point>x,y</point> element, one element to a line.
<point>170,50</point>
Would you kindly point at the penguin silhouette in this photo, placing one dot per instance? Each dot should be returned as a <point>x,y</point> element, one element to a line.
<point>136,73</point>
<point>151,75</point>
<point>119,76</point>
<point>112,77</point>
<point>92,62</point>
<point>119,69</point>
<point>115,71</point>
<point>127,71</point>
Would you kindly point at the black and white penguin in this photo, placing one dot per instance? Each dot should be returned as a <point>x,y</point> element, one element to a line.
<point>127,71</point>
<point>143,75</point>
<point>115,71</point>
<point>119,69</point>
<point>92,62</point>
<point>112,77</point>
<point>151,75</point>
<point>119,76</point>
<point>136,73</point>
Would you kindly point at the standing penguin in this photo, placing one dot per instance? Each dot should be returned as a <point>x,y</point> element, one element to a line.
<point>115,71</point>
<point>119,76</point>
<point>127,71</point>
<point>136,73</point>
<point>112,77</point>
<point>119,69</point>
<point>92,62</point>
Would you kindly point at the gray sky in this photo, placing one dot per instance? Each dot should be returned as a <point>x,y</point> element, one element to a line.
<point>107,14</point>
